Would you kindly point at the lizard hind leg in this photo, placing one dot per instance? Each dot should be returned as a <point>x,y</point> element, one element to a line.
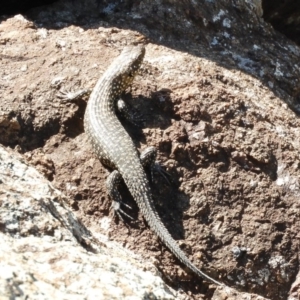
<point>148,160</point>
<point>113,182</point>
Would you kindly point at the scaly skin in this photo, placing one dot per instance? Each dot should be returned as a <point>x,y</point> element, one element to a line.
<point>114,147</point>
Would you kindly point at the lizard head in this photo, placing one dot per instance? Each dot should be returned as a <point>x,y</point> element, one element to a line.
<point>126,66</point>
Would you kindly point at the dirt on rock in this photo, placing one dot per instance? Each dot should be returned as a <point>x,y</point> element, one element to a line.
<point>230,145</point>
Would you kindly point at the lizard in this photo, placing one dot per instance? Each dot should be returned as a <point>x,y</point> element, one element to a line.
<point>115,149</point>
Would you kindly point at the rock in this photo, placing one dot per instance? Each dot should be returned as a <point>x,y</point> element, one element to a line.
<point>47,253</point>
<point>219,90</point>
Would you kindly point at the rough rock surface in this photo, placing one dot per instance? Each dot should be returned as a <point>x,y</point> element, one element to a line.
<point>283,15</point>
<point>216,90</point>
<point>46,253</point>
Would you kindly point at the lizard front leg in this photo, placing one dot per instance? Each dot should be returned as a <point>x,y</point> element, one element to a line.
<point>148,160</point>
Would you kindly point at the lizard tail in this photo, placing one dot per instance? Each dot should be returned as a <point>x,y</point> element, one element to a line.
<point>140,191</point>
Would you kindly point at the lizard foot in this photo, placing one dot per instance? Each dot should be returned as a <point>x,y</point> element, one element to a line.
<point>148,160</point>
<point>112,183</point>
<point>68,96</point>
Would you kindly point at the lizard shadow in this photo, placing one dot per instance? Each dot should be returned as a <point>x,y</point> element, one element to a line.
<point>170,202</point>
<point>157,112</point>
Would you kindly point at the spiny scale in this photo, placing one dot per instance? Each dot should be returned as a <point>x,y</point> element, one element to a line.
<point>115,148</point>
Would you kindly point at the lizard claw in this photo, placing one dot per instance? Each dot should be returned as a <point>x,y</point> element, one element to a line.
<point>159,169</point>
<point>117,210</point>
<point>67,96</point>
